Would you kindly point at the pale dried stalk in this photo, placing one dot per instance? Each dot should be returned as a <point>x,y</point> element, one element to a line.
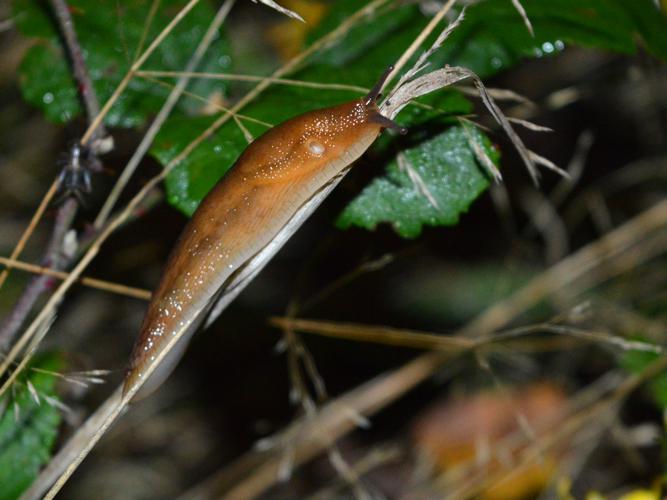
<point>218,107</point>
<point>449,76</point>
<point>422,61</point>
<point>524,16</point>
<point>409,52</point>
<point>106,286</point>
<point>234,77</point>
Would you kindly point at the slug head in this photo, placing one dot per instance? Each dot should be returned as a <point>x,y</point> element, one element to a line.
<point>317,140</point>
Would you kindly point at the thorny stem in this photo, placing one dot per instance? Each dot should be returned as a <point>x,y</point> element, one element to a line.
<point>54,258</point>
<point>79,68</point>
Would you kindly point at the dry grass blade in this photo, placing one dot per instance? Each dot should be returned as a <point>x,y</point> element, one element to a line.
<point>524,16</point>
<point>376,334</point>
<point>107,286</point>
<point>155,5</point>
<point>529,125</point>
<point>409,52</point>
<point>209,102</point>
<point>506,95</point>
<point>234,77</point>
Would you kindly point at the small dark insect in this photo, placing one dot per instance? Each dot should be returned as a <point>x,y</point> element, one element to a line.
<point>74,178</point>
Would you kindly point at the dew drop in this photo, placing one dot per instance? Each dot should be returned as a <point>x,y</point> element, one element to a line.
<point>47,98</point>
<point>548,47</point>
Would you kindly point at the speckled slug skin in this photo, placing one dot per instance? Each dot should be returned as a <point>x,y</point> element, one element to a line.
<point>248,207</point>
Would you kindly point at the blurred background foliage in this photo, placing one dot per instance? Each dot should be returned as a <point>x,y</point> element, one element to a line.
<point>593,72</point>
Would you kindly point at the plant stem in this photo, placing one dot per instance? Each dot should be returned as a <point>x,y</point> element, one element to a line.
<point>79,68</point>
<point>55,259</point>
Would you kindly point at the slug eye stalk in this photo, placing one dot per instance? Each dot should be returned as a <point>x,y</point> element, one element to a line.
<point>374,93</point>
<point>385,122</point>
<point>371,100</point>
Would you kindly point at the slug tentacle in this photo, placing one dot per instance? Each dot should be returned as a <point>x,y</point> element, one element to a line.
<point>374,93</point>
<point>385,122</point>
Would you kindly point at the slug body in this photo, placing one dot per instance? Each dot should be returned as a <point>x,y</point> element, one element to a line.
<point>269,182</point>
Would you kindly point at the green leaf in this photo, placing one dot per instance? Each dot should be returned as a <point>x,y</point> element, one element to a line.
<point>636,362</point>
<point>493,36</point>
<point>373,44</point>
<point>109,33</point>
<point>191,179</point>
<point>431,184</point>
<point>650,23</point>
<point>28,429</point>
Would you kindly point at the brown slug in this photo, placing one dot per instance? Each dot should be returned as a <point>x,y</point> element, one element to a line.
<point>273,177</point>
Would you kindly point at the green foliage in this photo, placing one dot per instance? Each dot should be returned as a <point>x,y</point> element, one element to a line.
<point>28,428</point>
<point>109,33</point>
<point>637,362</point>
<point>195,176</point>
<point>430,184</point>
<point>493,37</point>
